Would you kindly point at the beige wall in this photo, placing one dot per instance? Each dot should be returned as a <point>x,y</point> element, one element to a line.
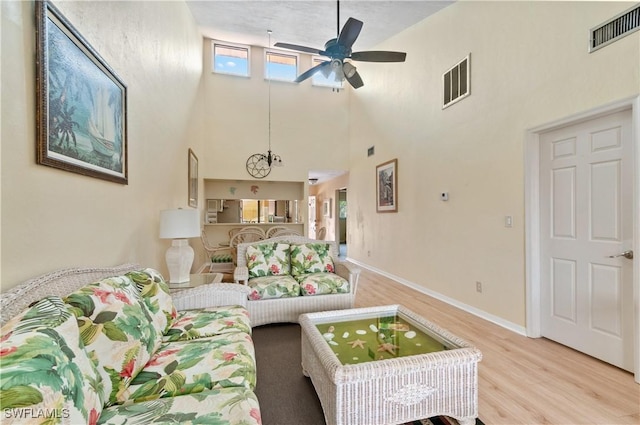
<point>529,66</point>
<point>53,219</point>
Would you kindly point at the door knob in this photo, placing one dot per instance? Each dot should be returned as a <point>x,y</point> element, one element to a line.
<point>626,254</point>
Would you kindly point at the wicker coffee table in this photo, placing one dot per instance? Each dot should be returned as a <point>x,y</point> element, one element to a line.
<point>387,365</point>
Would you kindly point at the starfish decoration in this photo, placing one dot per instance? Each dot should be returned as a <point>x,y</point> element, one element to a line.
<point>356,343</point>
<point>388,347</point>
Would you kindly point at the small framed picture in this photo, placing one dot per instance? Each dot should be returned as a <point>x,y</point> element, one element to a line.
<point>193,179</point>
<point>387,187</point>
<point>326,208</point>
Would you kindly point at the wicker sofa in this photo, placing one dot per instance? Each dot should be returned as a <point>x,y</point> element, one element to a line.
<point>112,346</point>
<point>291,275</point>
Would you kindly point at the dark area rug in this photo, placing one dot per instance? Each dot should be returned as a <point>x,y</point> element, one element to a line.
<point>286,396</point>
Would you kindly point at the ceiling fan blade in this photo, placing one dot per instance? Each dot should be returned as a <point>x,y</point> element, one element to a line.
<point>311,71</point>
<point>379,56</point>
<point>355,80</point>
<point>350,32</point>
<point>300,48</point>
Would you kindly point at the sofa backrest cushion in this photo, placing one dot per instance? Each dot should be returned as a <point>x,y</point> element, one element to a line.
<point>156,297</point>
<point>268,259</point>
<point>311,258</point>
<point>117,330</point>
<point>45,368</point>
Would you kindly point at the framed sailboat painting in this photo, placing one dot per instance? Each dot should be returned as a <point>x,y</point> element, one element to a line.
<point>81,111</point>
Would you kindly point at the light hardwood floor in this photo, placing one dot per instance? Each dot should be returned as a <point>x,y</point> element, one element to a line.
<point>522,380</point>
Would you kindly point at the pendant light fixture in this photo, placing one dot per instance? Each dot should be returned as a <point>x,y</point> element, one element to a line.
<point>259,165</point>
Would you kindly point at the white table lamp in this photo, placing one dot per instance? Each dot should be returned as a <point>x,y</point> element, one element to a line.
<point>178,225</point>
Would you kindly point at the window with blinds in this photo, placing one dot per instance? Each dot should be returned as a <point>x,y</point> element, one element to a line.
<point>280,66</point>
<point>231,58</point>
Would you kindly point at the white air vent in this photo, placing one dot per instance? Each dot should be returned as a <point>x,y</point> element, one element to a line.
<point>456,83</point>
<point>615,28</point>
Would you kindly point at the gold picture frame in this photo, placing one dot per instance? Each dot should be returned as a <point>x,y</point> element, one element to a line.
<point>387,187</point>
<point>193,180</point>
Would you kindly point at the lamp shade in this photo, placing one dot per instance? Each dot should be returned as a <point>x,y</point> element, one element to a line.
<point>179,224</point>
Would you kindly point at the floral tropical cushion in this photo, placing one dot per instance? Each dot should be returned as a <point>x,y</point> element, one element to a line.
<point>156,296</point>
<point>46,369</point>
<point>268,259</point>
<point>273,287</point>
<point>194,366</point>
<point>311,258</point>
<point>193,324</point>
<point>117,331</point>
<point>220,406</point>
<point>322,284</point>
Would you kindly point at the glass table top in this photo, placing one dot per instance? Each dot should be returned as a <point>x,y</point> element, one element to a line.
<point>377,337</point>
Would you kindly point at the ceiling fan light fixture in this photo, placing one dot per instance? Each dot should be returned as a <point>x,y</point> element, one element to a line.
<point>348,70</point>
<point>336,68</point>
<point>340,48</point>
<point>326,71</point>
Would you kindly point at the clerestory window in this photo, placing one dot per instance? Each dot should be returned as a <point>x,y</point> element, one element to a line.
<point>232,59</point>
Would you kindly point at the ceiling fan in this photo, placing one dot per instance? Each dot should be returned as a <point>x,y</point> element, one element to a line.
<point>338,50</point>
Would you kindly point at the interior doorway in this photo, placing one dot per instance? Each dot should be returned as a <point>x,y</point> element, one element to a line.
<point>341,222</point>
<point>581,215</point>
<point>586,219</point>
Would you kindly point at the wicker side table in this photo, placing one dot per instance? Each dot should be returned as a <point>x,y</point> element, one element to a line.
<point>391,391</point>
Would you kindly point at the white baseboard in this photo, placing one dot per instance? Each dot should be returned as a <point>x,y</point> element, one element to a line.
<point>462,306</point>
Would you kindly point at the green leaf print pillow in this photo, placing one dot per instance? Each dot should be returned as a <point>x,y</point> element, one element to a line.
<point>45,368</point>
<point>268,259</point>
<point>311,258</point>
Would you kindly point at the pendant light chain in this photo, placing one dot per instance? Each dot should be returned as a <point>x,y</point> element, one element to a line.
<point>269,82</point>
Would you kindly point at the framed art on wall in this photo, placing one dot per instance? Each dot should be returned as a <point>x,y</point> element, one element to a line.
<point>81,104</point>
<point>387,186</point>
<point>326,208</point>
<point>193,179</point>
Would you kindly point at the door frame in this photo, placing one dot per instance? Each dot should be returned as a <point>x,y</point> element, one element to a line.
<point>532,214</point>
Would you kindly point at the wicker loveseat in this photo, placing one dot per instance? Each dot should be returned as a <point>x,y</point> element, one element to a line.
<point>291,275</point>
<point>112,346</point>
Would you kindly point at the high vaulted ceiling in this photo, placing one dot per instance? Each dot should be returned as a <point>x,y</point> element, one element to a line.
<point>307,23</point>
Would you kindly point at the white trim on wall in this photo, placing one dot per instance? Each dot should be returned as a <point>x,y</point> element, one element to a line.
<point>532,214</point>
<point>466,307</point>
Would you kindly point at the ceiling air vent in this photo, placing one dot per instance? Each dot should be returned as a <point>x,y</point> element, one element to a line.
<point>456,83</point>
<point>615,28</point>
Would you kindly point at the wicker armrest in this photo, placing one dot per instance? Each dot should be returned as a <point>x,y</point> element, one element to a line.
<point>350,272</point>
<point>211,295</point>
<point>58,283</point>
<point>241,275</point>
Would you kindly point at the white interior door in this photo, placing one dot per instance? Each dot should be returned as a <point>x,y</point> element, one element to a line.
<point>585,221</point>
